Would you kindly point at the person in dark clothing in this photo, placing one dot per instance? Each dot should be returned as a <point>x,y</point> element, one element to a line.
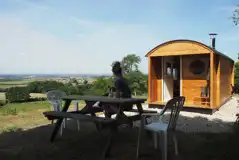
<point>121,84</point>
<point>122,90</point>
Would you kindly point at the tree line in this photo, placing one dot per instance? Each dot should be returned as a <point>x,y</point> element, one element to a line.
<point>130,64</point>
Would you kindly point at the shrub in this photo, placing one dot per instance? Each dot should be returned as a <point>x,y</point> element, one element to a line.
<point>3,89</point>
<point>100,86</point>
<point>17,94</point>
<point>2,102</point>
<point>9,111</point>
<point>43,86</point>
<point>37,99</point>
<point>70,89</point>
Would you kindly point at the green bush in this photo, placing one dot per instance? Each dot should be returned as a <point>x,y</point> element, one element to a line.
<point>44,86</point>
<point>2,102</point>
<point>100,86</point>
<point>37,99</point>
<point>9,111</point>
<point>17,94</point>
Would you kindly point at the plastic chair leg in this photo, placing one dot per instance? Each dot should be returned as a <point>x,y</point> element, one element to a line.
<point>139,141</point>
<point>164,144</point>
<point>65,122</point>
<point>61,130</point>
<point>155,139</point>
<point>175,143</point>
<point>78,124</point>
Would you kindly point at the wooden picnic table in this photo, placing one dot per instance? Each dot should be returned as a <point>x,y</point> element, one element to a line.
<point>111,124</point>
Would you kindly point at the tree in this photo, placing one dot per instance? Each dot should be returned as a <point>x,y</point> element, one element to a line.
<point>138,82</point>
<point>130,63</point>
<point>235,16</point>
<point>236,77</point>
<point>100,86</point>
<point>85,81</point>
<point>73,81</point>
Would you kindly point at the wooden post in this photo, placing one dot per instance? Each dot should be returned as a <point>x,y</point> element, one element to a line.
<point>232,74</point>
<point>149,80</point>
<point>218,78</point>
<point>181,75</point>
<point>212,103</point>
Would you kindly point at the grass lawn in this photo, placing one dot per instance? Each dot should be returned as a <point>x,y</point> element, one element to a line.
<point>24,115</point>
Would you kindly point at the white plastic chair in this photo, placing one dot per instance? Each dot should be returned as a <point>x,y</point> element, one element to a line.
<point>160,128</point>
<point>55,98</point>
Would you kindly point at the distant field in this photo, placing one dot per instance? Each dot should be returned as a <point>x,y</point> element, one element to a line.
<point>16,81</point>
<point>12,83</point>
<point>2,96</point>
<point>33,95</point>
<point>6,83</point>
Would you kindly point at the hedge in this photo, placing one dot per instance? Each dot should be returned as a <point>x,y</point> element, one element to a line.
<point>17,94</point>
<point>44,86</point>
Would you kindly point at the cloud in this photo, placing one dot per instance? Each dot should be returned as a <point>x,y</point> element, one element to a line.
<point>28,50</point>
<point>226,8</point>
<point>82,22</point>
<point>31,4</point>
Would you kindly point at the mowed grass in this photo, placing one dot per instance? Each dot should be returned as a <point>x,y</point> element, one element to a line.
<point>25,115</point>
<point>33,95</point>
<point>5,83</point>
<point>14,83</point>
<point>2,96</point>
<point>11,85</point>
<point>17,82</point>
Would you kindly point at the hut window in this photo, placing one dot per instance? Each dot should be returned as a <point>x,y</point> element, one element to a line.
<point>175,74</point>
<point>168,69</point>
<point>197,67</point>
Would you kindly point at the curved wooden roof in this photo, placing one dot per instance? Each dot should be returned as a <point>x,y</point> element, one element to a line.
<point>183,47</point>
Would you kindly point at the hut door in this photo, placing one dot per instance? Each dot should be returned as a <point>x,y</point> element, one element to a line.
<point>168,81</point>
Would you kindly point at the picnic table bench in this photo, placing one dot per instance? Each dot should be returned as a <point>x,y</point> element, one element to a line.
<point>88,113</point>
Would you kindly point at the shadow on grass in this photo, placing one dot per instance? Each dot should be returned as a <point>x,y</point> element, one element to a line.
<point>88,143</point>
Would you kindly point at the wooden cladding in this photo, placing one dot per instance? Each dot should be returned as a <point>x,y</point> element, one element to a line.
<point>217,76</point>
<point>225,79</point>
<point>155,87</point>
<point>179,48</point>
<point>191,83</point>
<point>216,81</point>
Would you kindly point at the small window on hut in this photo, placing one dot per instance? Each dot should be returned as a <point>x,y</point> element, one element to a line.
<point>197,67</point>
<point>168,69</point>
<point>174,72</point>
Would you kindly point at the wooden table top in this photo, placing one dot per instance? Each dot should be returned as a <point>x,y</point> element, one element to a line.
<point>104,99</point>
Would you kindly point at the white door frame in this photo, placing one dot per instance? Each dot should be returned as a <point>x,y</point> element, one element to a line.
<point>181,75</point>
<point>164,86</point>
<point>162,66</point>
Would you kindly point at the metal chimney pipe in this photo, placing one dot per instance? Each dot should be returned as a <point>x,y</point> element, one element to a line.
<point>213,39</point>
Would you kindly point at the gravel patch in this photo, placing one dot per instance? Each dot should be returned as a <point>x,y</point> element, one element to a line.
<point>219,121</point>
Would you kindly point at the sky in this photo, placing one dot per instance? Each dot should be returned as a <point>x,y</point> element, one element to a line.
<point>86,36</point>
